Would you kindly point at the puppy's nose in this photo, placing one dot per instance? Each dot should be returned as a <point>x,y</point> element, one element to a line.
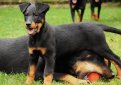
<point>28,25</point>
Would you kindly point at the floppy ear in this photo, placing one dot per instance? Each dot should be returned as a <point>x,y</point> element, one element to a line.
<point>23,7</point>
<point>42,8</point>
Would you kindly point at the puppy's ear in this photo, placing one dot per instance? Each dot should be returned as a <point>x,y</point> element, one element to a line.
<point>42,8</point>
<point>23,7</point>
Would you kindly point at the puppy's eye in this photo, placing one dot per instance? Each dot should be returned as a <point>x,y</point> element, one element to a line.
<point>26,14</point>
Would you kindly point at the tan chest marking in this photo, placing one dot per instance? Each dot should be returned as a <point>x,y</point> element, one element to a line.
<point>41,49</point>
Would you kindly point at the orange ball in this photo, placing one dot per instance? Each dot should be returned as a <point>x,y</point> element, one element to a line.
<point>93,76</point>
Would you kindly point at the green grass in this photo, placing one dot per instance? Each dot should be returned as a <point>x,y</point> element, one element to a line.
<point>12,25</point>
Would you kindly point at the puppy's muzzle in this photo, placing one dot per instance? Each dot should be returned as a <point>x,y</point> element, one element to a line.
<point>29,20</point>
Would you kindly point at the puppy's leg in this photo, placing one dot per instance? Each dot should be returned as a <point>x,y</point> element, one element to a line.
<point>81,75</point>
<point>73,14</point>
<point>98,16</point>
<point>92,12</point>
<point>68,78</point>
<point>80,14</point>
<point>118,69</point>
<point>32,68</point>
<point>49,68</point>
<point>110,56</point>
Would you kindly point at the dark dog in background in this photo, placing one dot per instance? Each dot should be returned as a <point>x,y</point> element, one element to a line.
<point>79,6</point>
<point>50,42</point>
<point>94,4</point>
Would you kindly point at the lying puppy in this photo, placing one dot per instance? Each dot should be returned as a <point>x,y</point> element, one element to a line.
<point>50,42</point>
<point>79,6</point>
<point>17,61</point>
<point>81,63</point>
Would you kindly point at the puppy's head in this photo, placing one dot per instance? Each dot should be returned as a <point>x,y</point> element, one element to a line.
<point>34,15</point>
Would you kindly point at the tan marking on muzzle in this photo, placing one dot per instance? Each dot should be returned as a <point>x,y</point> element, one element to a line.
<point>33,25</point>
<point>87,67</point>
<point>39,25</point>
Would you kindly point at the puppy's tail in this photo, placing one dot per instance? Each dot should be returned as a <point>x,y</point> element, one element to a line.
<point>110,29</point>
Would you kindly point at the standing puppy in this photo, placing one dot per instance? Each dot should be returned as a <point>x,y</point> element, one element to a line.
<point>41,40</point>
<point>79,6</point>
<point>95,3</point>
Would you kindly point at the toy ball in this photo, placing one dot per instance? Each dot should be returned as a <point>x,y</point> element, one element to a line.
<point>93,76</point>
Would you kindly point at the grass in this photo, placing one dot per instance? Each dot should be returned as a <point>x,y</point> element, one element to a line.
<point>12,25</point>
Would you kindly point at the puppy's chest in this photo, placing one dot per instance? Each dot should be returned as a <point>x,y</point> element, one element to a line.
<point>38,42</point>
<point>40,50</point>
<point>37,46</point>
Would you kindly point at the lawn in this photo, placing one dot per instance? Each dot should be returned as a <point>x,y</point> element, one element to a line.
<point>12,25</point>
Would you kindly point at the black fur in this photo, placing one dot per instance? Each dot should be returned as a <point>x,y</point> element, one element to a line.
<point>14,55</point>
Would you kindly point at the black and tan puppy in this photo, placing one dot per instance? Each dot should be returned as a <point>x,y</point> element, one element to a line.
<point>94,4</point>
<point>79,6</point>
<point>50,42</point>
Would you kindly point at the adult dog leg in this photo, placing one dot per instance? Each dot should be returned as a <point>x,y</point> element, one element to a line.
<point>108,54</point>
<point>118,69</point>
<point>68,78</point>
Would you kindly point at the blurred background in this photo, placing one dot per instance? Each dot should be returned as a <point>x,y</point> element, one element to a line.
<point>49,1</point>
